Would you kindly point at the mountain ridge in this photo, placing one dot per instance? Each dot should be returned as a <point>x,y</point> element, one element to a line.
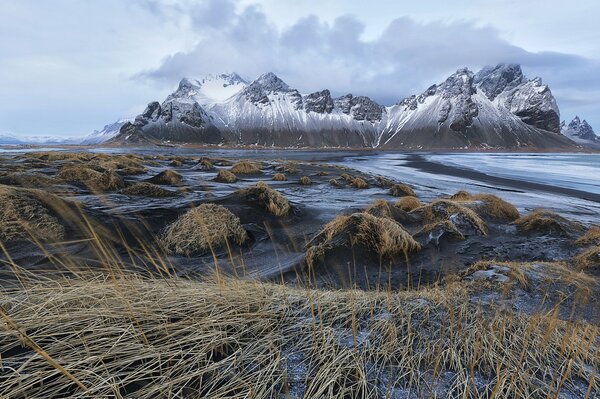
<point>497,107</point>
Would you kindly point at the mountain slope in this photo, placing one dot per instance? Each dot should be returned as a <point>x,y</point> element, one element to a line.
<point>497,107</point>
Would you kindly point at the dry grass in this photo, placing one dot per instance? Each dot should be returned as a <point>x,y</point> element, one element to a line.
<point>26,213</point>
<point>272,200</point>
<point>167,177</point>
<point>544,222</point>
<point>384,182</point>
<point>305,181</point>
<point>445,226</point>
<point>382,235</point>
<point>245,168</point>
<point>148,338</point>
<point>402,190</point>
<point>175,163</point>
<point>279,177</point>
<point>92,179</point>
<point>207,227</point>
<point>359,182</point>
<point>289,167</point>
<point>205,164</point>
<point>33,180</point>
<point>335,183</point>
<point>380,208</point>
<point>591,237</point>
<point>493,206</point>
<point>225,176</point>
<point>144,189</point>
<point>442,210</point>
<point>53,156</point>
<point>588,259</point>
<point>408,203</point>
<point>347,177</point>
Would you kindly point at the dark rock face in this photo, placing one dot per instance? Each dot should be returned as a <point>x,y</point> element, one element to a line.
<point>257,92</point>
<point>320,102</point>
<point>458,106</point>
<point>359,107</point>
<point>494,80</point>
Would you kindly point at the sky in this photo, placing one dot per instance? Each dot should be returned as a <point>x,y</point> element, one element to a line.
<point>68,67</point>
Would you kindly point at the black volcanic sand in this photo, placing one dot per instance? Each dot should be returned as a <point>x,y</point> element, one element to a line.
<point>276,248</point>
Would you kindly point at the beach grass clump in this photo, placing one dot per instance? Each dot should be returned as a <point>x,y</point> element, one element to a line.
<point>382,235</point>
<point>205,164</point>
<point>279,177</point>
<point>591,237</point>
<point>492,205</point>
<point>270,199</point>
<point>380,208</point>
<point>225,176</point>
<point>335,183</point>
<point>54,156</point>
<point>201,229</point>
<point>145,189</point>
<point>289,167</point>
<point>443,227</point>
<point>540,221</point>
<point>28,213</point>
<point>460,215</point>
<point>402,190</point>
<point>359,182</point>
<point>245,168</point>
<point>31,179</point>
<point>384,182</point>
<point>588,259</point>
<point>167,177</point>
<point>407,203</point>
<point>90,178</point>
<point>305,181</point>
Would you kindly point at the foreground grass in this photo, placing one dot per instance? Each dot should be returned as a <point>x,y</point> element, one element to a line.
<point>146,338</point>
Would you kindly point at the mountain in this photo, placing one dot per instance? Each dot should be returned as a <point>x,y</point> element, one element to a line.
<point>108,132</point>
<point>8,139</point>
<point>581,132</point>
<point>498,107</point>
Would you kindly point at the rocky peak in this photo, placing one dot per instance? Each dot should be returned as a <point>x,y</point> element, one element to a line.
<point>579,129</point>
<point>458,107</point>
<point>319,101</point>
<point>359,107</point>
<point>226,79</point>
<point>257,91</point>
<point>533,102</point>
<point>494,80</point>
<point>271,83</point>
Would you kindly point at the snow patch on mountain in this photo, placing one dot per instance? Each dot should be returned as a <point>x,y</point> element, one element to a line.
<point>580,132</point>
<point>106,133</point>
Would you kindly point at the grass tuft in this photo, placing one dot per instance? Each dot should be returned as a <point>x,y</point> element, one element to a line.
<point>279,177</point>
<point>272,200</point>
<point>305,181</point>
<point>225,176</point>
<point>408,203</point>
<point>245,168</point>
<point>90,178</point>
<point>207,227</point>
<point>167,177</point>
<point>402,190</point>
<point>144,189</point>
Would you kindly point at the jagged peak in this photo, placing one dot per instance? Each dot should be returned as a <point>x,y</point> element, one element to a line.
<point>271,82</point>
<point>229,78</point>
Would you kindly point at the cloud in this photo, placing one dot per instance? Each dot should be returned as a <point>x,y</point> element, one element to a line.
<point>405,58</point>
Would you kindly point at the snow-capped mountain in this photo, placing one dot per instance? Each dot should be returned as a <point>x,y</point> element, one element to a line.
<point>9,139</point>
<point>496,107</point>
<point>108,132</point>
<point>580,132</point>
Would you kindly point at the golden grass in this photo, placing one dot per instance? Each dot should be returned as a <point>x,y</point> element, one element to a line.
<point>380,208</point>
<point>92,179</point>
<point>589,259</point>
<point>408,203</point>
<point>382,235</point>
<point>175,163</point>
<point>272,200</point>
<point>384,182</point>
<point>149,338</point>
<point>205,164</point>
<point>245,168</point>
<point>591,237</point>
<point>53,156</point>
<point>167,177</point>
<point>305,181</point>
<point>206,227</point>
<point>279,177</point>
<point>225,176</point>
<point>335,183</point>
<point>445,225</point>
<point>543,221</point>
<point>31,179</point>
<point>441,210</point>
<point>347,177</point>
<point>145,189</point>
<point>402,190</point>
<point>26,213</point>
<point>289,167</point>
<point>359,182</point>
<point>493,206</point>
